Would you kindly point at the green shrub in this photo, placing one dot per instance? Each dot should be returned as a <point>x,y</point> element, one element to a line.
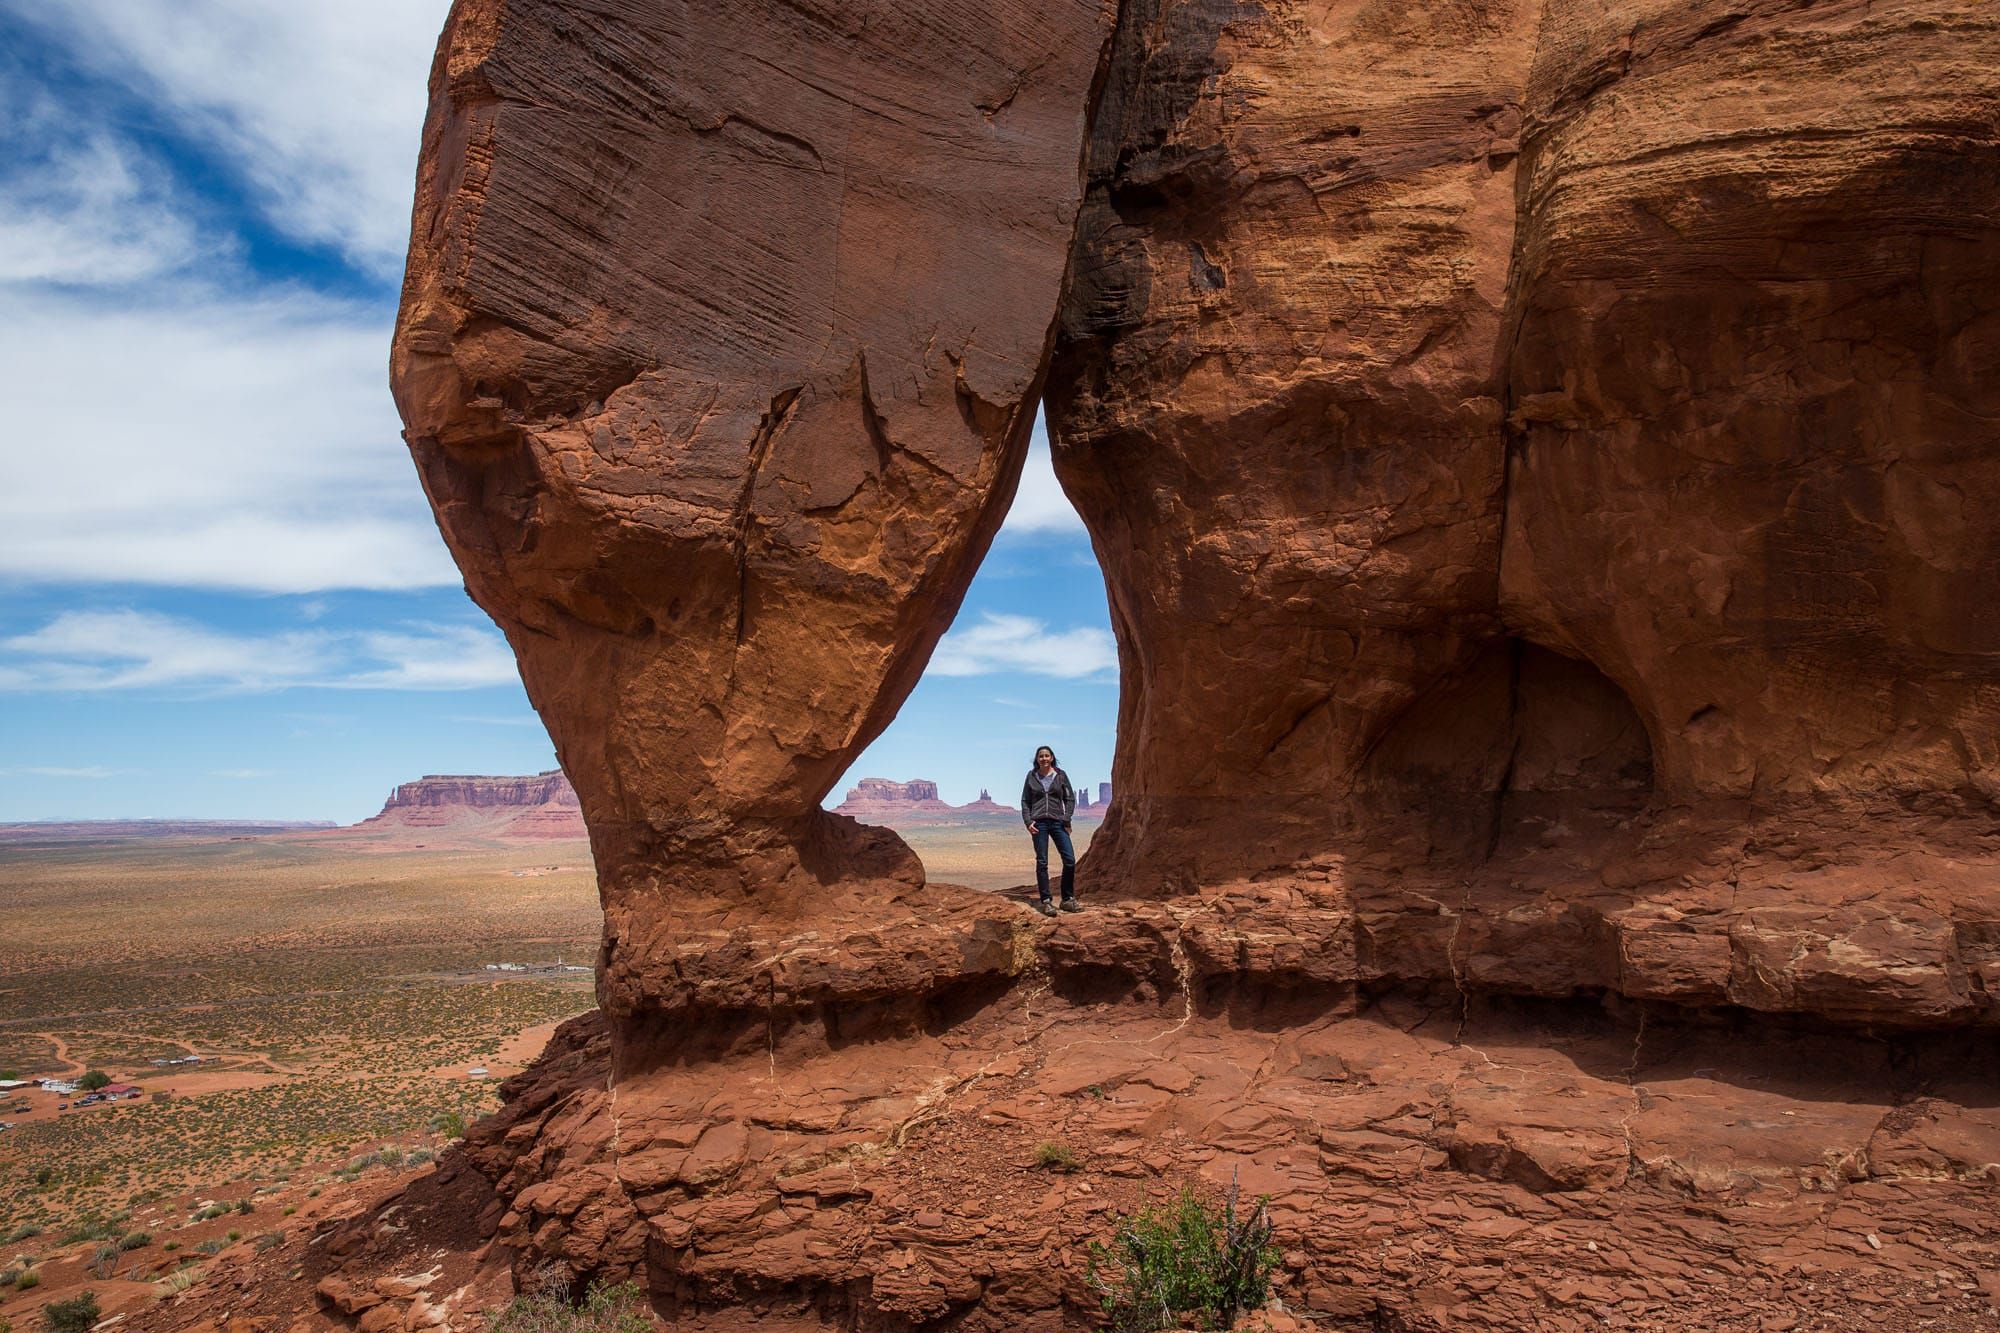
<point>213,1246</point>
<point>270,1240</point>
<point>135,1240</point>
<point>74,1315</point>
<point>91,1082</point>
<point>1054,1156</point>
<point>234,1236</point>
<point>27,1280</point>
<point>22,1232</point>
<point>451,1124</point>
<point>548,1309</point>
<point>1185,1259</point>
<point>104,1259</point>
<point>245,1206</point>
<point>171,1246</point>
<point>211,1212</point>
<point>7,1276</point>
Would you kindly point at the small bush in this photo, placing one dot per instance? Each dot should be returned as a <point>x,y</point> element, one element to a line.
<point>211,1212</point>
<point>419,1157</point>
<point>270,1240</point>
<point>214,1246</point>
<point>28,1280</point>
<point>1054,1156</point>
<point>171,1246</point>
<point>451,1124</point>
<point>1185,1259</point>
<point>7,1276</point>
<point>135,1240</point>
<point>104,1259</point>
<point>74,1315</point>
<point>245,1206</point>
<point>179,1280</point>
<point>390,1155</point>
<point>548,1309</point>
<point>235,1236</point>
<point>22,1232</point>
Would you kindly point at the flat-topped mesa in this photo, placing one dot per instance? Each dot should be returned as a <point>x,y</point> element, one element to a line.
<point>717,354</point>
<point>482,792</point>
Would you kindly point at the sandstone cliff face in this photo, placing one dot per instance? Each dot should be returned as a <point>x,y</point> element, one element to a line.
<point>1277,400</point>
<point>718,350</point>
<point>1541,458</point>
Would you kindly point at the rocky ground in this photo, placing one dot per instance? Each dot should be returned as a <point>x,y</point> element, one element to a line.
<point>1432,1159</point>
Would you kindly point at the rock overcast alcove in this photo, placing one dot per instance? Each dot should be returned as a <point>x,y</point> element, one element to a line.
<point>1541,457</point>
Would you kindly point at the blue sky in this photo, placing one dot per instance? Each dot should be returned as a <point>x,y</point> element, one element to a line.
<point>221,592</point>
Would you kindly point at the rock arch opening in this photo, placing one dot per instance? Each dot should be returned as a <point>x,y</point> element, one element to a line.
<point>1029,659</point>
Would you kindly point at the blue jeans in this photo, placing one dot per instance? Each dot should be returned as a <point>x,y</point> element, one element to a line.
<point>1045,830</point>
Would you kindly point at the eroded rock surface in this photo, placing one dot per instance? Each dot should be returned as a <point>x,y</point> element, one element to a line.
<point>1540,456</point>
<point>717,354</point>
<point>1480,401</point>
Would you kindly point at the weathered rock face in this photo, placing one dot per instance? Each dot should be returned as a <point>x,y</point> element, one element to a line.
<point>1540,455</point>
<point>1645,473</point>
<point>1751,385</point>
<point>1278,397</point>
<point>717,354</point>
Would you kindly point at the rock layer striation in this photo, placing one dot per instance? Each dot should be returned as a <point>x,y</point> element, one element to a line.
<point>1541,457</point>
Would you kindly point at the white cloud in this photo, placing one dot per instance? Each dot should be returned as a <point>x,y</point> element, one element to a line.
<point>198,439</point>
<point>319,105</point>
<point>91,772</point>
<point>119,650</point>
<point>1040,505</point>
<point>1021,643</point>
<point>89,211</point>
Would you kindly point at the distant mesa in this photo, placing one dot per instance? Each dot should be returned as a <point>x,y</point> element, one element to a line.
<point>881,801</point>
<point>539,808</point>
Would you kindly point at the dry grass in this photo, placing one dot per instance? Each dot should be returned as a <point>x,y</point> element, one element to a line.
<point>337,999</point>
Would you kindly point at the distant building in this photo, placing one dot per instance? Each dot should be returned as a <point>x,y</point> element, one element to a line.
<point>110,1090</point>
<point>62,1087</point>
<point>1104,793</point>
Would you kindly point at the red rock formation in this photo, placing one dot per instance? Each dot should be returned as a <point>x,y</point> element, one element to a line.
<point>717,354</point>
<point>1539,457</point>
<point>880,795</point>
<point>530,809</point>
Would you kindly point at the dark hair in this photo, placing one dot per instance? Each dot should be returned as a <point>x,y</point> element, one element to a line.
<point>1038,754</point>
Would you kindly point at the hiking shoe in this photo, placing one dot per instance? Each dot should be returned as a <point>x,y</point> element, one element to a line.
<point>1071,905</point>
<point>1045,907</point>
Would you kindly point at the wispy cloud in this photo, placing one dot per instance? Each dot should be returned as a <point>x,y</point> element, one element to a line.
<point>88,772</point>
<point>216,442</point>
<point>318,106</point>
<point>1021,643</point>
<point>85,209</point>
<point>129,650</point>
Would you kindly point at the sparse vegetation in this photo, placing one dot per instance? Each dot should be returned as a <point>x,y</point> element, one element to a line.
<point>548,1308</point>
<point>135,1240</point>
<point>326,1038</point>
<point>1060,1157</point>
<point>1185,1260</point>
<point>94,1080</point>
<point>27,1280</point>
<point>270,1240</point>
<point>74,1315</point>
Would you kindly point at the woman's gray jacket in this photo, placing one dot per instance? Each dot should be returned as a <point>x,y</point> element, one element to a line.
<point>1058,802</point>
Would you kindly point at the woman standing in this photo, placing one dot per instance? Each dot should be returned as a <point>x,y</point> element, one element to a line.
<point>1047,803</point>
